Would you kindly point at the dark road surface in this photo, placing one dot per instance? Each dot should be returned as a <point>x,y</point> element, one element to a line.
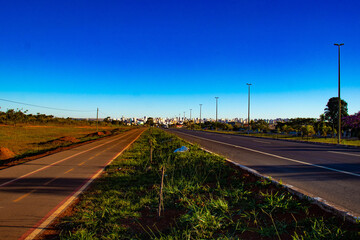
<point>33,193</point>
<point>331,173</point>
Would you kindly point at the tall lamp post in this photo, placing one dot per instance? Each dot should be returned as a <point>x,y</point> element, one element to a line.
<point>190,114</point>
<point>216,111</point>
<point>249,84</point>
<point>200,114</point>
<point>339,124</point>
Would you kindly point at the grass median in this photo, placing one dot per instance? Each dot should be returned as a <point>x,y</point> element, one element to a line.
<point>150,192</point>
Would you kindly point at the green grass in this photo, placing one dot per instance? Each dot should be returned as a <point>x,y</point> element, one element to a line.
<point>27,139</point>
<point>203,198</point>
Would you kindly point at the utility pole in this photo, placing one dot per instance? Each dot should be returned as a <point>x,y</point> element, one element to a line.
<point>216,111</point>
<point>184,117</point>
<point>249,84</point>
<point>339,125</point>
<point>97,119</point>
<point>191,126</point>
<point>200,113</point>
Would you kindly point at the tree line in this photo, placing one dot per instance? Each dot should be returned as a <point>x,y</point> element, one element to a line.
<point>18,116</point>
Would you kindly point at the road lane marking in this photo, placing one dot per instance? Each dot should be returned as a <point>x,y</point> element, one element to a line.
<point>350,154</point>
<point>68,171</point>
<point>81,163</point>
<point>276,156</point>
<point>54,163</point>
<point>27,194</point>
<point>261,141</point>
<point>24,196</point>
<point>43,223</point>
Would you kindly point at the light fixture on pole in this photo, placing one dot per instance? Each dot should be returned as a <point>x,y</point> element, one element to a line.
<point>249,84</point>
<point>200,113</point>
<point>339,99</point>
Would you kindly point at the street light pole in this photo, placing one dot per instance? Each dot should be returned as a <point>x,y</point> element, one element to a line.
<point>190,114</point>
<point>97,119</point>
<point>339,99</point>
<point>216,111</point>
<point>249,84</point>
<point>200,113</point>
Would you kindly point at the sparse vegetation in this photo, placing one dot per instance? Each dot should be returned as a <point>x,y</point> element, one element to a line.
<point>203,197</point>
<point>28,140</point>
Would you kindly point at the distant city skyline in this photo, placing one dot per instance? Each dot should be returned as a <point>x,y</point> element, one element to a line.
<point>160,59</point>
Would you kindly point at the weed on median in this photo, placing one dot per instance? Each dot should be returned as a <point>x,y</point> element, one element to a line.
<point>202,197</point>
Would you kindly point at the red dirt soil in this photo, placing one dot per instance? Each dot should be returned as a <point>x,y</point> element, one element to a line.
<point>6,153</point>
<point>69,139</point>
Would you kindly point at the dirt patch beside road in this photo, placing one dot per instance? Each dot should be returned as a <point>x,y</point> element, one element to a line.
<point>6,153</point>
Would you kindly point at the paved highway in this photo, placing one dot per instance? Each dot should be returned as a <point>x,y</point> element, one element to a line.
<point>331,173</point>
<point>34,193</point>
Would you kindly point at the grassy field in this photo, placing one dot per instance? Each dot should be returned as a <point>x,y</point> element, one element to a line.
<point>202,197</point>
<point>351,142</point>
<point>26,139</point>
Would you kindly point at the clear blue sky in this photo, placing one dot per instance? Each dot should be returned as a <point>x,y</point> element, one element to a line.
<point>161,58</point>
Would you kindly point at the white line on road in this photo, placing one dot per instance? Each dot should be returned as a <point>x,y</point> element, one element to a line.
<point>261,141</point>
<point>350,154</point>
<point>276,156</point>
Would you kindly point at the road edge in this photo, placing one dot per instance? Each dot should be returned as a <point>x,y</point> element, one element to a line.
<point>322,203</point>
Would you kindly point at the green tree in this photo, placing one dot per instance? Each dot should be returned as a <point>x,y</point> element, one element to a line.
<point>107,119</point>
<point>325,130</point>
<point>321,126</point>
<point>287,129</point>
<point>332,111</point>
<point>307,130</point>
<point>260,125</point>
<point>15,117</point>
<point>150,121</point>
<point>229,127</point>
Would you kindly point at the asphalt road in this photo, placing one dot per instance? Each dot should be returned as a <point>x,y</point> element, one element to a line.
<point>330,173</point>
<point>34,193</point>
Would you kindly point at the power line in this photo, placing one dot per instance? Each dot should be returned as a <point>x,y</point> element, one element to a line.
<point>33,105</point>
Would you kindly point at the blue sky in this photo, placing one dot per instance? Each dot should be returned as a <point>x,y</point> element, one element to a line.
<point>161,58</point>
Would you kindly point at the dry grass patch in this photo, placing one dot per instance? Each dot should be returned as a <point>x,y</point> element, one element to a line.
<point>28,139</point>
